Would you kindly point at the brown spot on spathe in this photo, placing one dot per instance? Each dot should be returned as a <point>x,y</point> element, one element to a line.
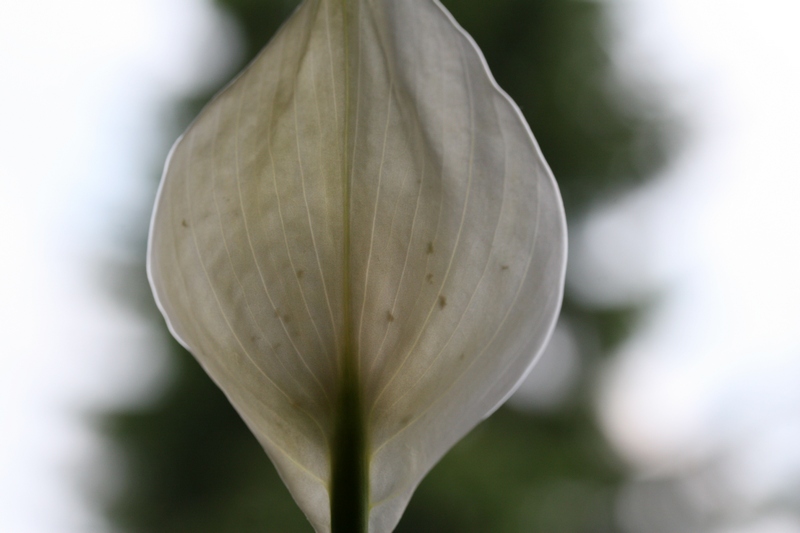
<point>389,316</point>
<point>442,301</point>
<point>430,248</point>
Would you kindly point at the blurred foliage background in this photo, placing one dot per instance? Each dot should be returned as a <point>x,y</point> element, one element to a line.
<point>190,464</point>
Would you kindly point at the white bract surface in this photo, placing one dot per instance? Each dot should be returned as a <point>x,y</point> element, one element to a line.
<point>362,194</point>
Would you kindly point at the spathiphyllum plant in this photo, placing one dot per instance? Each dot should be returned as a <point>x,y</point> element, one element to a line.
<point>361,243</point>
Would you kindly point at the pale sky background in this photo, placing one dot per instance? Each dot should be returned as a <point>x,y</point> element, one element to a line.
<point>712,377</point>
<point>84,101</point>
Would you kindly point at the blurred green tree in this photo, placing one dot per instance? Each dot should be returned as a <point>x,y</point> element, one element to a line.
<point>190,464</point>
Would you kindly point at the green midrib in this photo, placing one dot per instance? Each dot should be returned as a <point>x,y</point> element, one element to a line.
<point>350,471</point>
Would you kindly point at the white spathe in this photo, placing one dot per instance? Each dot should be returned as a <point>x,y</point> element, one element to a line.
<point>362,194</point>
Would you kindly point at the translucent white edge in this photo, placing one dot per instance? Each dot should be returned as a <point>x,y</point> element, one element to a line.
<point>149,260</point>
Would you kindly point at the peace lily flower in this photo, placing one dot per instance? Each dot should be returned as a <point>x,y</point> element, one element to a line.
<point>362,244</point>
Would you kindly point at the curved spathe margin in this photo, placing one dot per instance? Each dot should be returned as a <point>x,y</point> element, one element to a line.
<point>222,316</point>
<point>563,274</point>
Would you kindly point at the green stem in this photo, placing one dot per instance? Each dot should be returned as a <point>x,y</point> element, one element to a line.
<point>350,488</point>
<point>350,471</point>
